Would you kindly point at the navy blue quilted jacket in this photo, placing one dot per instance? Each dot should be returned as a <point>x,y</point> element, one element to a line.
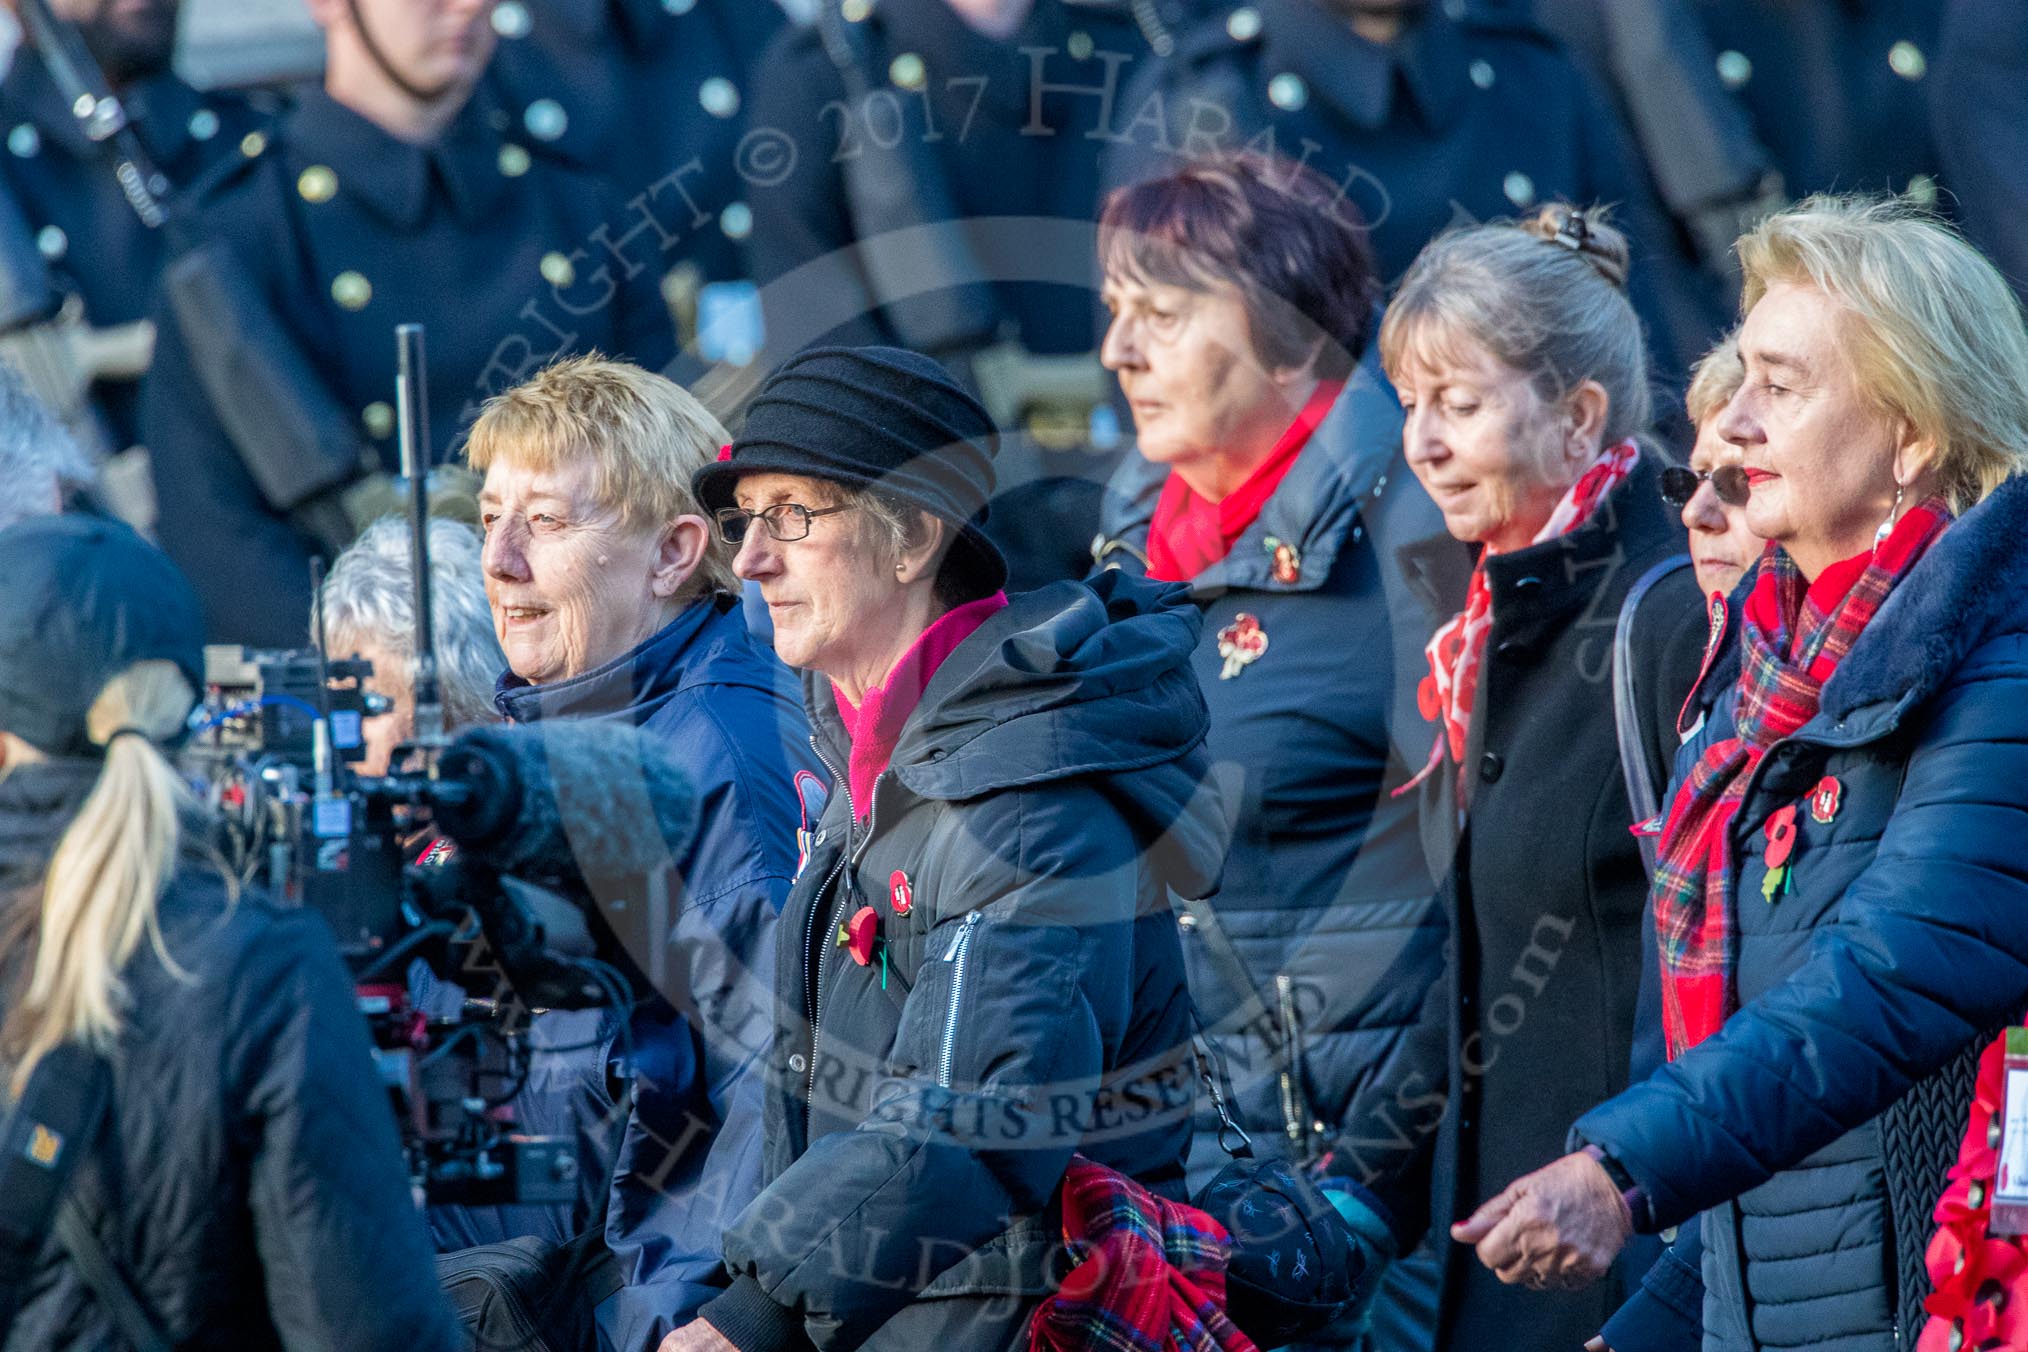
<point>1813,1130</point>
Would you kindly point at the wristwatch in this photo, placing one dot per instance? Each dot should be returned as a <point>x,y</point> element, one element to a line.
<point>1630,1191</point>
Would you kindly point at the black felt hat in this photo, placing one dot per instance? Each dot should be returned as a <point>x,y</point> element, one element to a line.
<point>879,418</point>
<point>81,600</point>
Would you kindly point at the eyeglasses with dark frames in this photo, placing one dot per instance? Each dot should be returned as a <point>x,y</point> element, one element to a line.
<point>786,521</point>
<point>1680,484</point>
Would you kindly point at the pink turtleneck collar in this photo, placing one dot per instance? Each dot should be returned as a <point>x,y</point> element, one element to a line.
<point>875,726</point>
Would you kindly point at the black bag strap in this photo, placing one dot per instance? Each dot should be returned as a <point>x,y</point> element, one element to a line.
<point>48,1133</point>
<point>105,1278</point>
<point>1643,794</point>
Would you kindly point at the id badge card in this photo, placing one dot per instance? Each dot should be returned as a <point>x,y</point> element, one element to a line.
<point>2010,1187</point>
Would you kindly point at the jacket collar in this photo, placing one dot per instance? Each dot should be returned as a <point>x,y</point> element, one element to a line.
<point>396,179</point>
<point>1363,80</point>
<point>1969,588</point>
<point>1538,590</point>
<point>705,644</point>
<point>1353,455</point>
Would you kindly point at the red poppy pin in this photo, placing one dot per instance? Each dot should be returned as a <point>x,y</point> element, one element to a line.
<point>1824,799</point>
<point>1286,565</point>
<point>1240,643</point>
<point>859,935</point>
<point>1780,834</point>
<point>900,893</point>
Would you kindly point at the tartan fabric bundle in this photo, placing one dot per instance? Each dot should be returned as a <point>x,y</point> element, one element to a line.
<point>1149,1274</point>
<point>1791,645</point>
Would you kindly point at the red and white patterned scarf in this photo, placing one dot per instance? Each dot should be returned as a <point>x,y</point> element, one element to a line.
<point>1452,686</point>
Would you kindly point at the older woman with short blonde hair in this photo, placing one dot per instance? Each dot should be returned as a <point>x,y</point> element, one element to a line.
<point>612,598</point>
<point>1844,861</point>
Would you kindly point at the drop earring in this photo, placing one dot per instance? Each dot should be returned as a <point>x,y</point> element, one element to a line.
<point>1893,515</point>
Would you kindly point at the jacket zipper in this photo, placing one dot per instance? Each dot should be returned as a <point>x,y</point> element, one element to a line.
<point>1285,1002</point>
<point>961,943</point>
<point>809,930</point>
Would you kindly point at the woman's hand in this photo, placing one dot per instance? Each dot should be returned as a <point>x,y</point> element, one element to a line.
<point>1558,1228</point>
<point>697,1336</point>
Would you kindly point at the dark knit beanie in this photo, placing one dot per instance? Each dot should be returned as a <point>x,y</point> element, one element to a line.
<point>878,418</point>
<point>84,599</point>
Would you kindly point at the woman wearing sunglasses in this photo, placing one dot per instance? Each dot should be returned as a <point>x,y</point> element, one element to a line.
<point>1711,494</point>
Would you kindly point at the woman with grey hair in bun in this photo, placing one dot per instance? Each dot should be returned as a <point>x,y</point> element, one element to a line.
<point>1523,381</point>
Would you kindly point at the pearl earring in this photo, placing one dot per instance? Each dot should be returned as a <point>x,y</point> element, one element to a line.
<point>1893,514</point>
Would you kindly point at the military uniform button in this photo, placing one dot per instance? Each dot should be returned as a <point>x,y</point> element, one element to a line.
<point>1520,189</point>
<point>351,290</point>
<point>511,19</point>
<point>545,119</point>
<point>855,11</point>
<point>1243,24</point>
<point>1481,71</point>
<point>907,71</point>
<point>513,160</point>
<point>1734,69</point>
<point>252,144</point>
<point>318,183</point>
<point>1906,60</point>
<point>719,96</point>
<point>736,221</point>
<point>51,242</point>
<point>25,142</point>
<point>1288,92</point>
<point>556,270</point>
<point>203,124</point>
<point>378,418</point>
<point>1079,45</point>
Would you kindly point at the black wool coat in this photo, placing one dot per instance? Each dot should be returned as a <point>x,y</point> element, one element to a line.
<point>1544,892</point>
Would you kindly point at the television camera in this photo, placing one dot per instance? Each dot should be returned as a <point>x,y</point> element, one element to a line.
<point>482,879</point>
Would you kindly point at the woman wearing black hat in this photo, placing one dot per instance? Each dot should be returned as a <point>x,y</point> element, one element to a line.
<point>977,973</point>
<point>242,1186</point>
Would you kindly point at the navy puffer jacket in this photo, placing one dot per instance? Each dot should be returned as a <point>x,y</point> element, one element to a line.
<point>1029,1002</point>
<point>1799,1130</point>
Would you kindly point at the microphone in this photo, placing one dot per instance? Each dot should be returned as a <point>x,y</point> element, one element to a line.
<point>582,807</point>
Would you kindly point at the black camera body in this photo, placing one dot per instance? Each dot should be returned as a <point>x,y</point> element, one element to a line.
<point>271,752</point>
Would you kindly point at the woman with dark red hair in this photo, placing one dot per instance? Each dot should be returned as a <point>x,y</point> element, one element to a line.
<point>1270,478</point>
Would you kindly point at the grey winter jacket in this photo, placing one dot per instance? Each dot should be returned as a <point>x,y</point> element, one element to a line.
<point>1044,797</point>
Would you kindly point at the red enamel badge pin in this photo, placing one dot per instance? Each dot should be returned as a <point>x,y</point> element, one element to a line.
<point>1824,799</point>
<point>900,893</point>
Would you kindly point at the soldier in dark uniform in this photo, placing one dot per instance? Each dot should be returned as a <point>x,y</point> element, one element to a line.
<point>883,123</point>
<point>1838,89</point>
<point>654,95</point>
<point>387,196</point>
<point>101,256</point>
<point>1423,119</point>
<point>1979,109</point>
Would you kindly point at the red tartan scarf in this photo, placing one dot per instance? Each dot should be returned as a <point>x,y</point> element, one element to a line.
<point>1149,1274</point>
<point>1793,635</point>
<point>1189,534</point>
<point>1448,692</point>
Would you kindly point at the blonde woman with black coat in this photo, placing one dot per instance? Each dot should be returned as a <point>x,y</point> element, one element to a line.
<point>244,1185</point>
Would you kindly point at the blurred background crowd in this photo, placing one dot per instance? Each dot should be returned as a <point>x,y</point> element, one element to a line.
<point>705,186</point>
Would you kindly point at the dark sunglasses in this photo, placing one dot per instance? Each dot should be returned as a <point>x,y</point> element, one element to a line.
<point>786,521</point>
<point>1680,484</point>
